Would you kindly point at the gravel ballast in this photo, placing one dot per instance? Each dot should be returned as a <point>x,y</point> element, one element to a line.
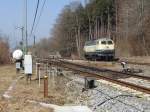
<point>105,98</point>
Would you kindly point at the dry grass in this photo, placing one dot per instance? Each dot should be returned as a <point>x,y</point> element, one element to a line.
<point>23,92</point>
<point>32,91</point>
<point>7,75</point>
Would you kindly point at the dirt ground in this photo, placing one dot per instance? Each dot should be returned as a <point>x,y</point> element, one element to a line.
<point>23,92</point>
<point>6,77</point>
<point>138,59</point>
<point>114,65</point>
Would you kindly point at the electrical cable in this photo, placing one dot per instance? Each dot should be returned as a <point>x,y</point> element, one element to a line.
<point>115,98</point>
<point>40,15</point>
<point>35,16</point>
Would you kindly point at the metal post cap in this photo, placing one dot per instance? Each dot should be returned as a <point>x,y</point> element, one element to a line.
<point>45,76</point>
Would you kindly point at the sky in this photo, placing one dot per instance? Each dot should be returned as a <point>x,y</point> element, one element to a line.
<point>11,17</point>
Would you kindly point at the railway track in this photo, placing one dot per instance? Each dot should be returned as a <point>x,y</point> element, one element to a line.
<point>119,61</point>
<point>110,71</point>
<point>134,63</point>
<point>95,72</point>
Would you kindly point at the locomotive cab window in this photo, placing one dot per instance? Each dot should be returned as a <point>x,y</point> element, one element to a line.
<point>103,42</point>
<point>90,43</point>
<point>110,42</point>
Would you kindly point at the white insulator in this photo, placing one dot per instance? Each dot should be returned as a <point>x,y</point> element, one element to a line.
<point>17,54</point>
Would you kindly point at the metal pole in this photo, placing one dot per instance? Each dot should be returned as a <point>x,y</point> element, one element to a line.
<point>85,79</point>
<point>22,30</point>
<point>37,69</point>
<point>108,30</point>
<point>39,76</point>
<point>45,86</point>
<point>22,34</point>
<point>25,26</point>
<point>34,40</point>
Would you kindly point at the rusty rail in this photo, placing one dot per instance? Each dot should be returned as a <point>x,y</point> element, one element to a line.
<point>134,63</point>
<point>123,83</point>
<point>109,71</point>
<point>94,72</point>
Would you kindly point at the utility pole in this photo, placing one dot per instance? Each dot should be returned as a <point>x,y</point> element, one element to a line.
<point>25,28</point>
<point>22,31</point>
<point>85,2</point>
<point>102,28</point>
<point>34,40</point>
<point>108,30</point>
<point>142,25</point>
<point>117,33</point>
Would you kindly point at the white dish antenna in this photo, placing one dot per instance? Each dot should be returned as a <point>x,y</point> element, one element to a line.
<point>17,54</point>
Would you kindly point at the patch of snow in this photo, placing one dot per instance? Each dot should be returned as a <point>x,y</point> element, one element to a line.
<point>5,95</point>
<point>63,108</point>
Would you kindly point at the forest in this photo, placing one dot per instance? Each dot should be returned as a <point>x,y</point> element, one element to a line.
<point>4,50</point>
<point>127,22</point>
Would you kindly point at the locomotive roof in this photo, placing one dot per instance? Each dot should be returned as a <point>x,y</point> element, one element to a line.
<point>100,39</point>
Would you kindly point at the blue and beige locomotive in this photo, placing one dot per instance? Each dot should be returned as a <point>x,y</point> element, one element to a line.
<point>102,48</point>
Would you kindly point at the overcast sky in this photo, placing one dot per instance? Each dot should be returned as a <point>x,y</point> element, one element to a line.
<point>12,16</point>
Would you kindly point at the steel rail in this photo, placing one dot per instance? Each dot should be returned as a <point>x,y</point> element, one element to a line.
<point>94,73</point>
<point>134,63</point>
<point>111,71</point>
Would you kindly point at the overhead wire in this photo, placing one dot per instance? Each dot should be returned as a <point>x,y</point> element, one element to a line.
<point>44,2</point>
<point>35,16</point>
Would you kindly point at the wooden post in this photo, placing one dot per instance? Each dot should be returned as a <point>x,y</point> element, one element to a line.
<point>45,86</point>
